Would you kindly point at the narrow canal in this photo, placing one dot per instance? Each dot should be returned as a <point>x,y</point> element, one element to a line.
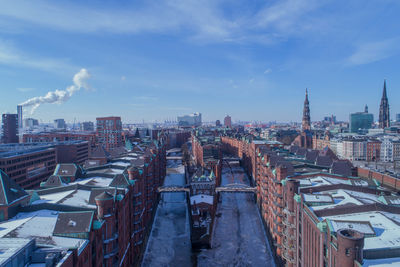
<point>238,239</point>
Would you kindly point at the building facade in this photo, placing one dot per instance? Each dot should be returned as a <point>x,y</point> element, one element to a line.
<point>109,132</point>
<point>10,128</point>
<point>228,121</point>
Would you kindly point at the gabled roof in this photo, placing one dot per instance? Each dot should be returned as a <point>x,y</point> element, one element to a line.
<point>119,181</point>
<point>10,191</point>
<point>53,181</point>
<point>324,161</point>
<point>342,167</point>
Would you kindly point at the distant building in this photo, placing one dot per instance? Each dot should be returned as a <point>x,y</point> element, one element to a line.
<point>109,132</point>
<point>10,128</point>
<point>30,122</point>
<point>47,137</point>
<point>361,120</point>
<point>60,124</point>
<point>218,123</point>
<point>87,126</point>
<point>30,164</point>
<point>20,119</point>
<point>398,117</point>
<point>228,121</point>
<point>384,116</point>
<point>190,120</point>
<point>306,123</point>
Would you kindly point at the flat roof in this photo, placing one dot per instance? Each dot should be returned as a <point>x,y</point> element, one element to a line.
<point>10,246</point>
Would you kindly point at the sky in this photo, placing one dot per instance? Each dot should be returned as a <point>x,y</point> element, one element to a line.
<point>154,60</point>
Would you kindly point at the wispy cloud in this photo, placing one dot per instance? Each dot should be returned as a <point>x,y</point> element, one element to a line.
<point>11,55</point>
<point>374,51</point>
<point>204,21</point>
<point>25,89</point>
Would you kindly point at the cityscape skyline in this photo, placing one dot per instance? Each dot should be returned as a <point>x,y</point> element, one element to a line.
<point>245,55</point>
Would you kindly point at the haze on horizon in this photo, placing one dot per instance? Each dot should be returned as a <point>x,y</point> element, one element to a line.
<point>154,60</point>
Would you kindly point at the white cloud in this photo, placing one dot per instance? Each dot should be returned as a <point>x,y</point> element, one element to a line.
<point>123,78</point>
<point>204,21</point>
<point>267,71</point>
<point>374,51</point>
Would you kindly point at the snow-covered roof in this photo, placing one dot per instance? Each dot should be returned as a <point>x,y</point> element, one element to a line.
<point>387,262</point>
<point>319,198</point>
<point>38,225</point>
<point>387,232</point>
<point>201,198</point>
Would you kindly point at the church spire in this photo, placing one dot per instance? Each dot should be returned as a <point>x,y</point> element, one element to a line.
<point>384,116</point>
<point>306,123</point>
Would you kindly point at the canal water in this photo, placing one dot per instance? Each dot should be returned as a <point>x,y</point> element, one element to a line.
<point>238,239</point>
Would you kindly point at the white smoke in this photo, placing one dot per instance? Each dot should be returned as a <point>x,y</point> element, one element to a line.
<point>60,96</point>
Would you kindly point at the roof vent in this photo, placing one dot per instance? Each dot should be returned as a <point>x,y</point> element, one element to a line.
<point>71,223</point>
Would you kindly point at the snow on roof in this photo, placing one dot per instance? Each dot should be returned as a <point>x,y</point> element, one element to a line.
<point>10,246</point>
<point>362,227</point>
<point>201,198</point>
<point>38,225</point>
<point>52,198</point>
<point>318,198</point>
<point>79,198</point>
<point>387,262</point>
<point>95,181</point>
<point>387,231</point>
<point>121,163</point>
<point>341,197</point>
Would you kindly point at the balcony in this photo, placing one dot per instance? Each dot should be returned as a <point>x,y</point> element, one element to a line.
<point>277,194</point>
<point>288,224</point>
<point>112,238</point>
<point>112,253</point>
<point>287,257</point>
<point>277,213</point>
<point>277,204</point>
<point>290,213</point>
<point>288,246</point>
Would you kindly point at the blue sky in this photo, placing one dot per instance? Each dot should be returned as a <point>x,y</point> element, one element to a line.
<point>154,60</point>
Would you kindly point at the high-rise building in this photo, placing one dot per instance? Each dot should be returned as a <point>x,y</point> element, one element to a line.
<point>217,123</point>
<point>109,132</point>
<point>360,120</point>
<point>398,117</point>
<point>384,117</point>
<point>10,128</point>
<point>20,119</point>
<point>306,123</point>
<point>228,121</point>
<point>59,124</point>
<point>87,126</point>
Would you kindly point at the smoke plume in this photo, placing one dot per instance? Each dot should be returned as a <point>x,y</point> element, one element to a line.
<point>60,96</point>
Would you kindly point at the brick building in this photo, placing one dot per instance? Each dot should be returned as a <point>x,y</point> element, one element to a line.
<point>47,137</point>
<point>109,132</point>
<point>100,216</point>
<point>30,164</point>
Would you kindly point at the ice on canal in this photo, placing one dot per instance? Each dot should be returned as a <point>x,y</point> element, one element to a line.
<point>238,240</point>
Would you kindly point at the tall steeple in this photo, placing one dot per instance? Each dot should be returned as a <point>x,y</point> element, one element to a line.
<point>306,123</point>
<point>384,116</point>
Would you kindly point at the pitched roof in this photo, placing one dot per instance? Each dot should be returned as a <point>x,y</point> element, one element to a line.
<point>342,167</point>
<point>66,169</point>
<point>99,152</point>
<point>53,181</point>
<point>325,161</point>
<point>10,191</point>
<point>97,191</point>
<point>119,180</point>
<point>73,222</point>
<point>311,155</point>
